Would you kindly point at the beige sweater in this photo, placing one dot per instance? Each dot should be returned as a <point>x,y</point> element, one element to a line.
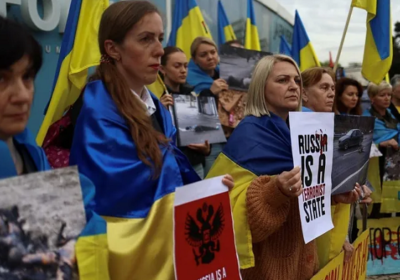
<point>278,244</point>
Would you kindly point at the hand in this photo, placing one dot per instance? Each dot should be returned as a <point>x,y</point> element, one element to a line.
<point>228,181</point>
<point>167,100</point>
<point>201,148</point>
<point>348,251</point>
<point>348,197</point>
<point>218,86</point>
<point>289,183</point>
<point>390,143</point>
<point>366,198</point>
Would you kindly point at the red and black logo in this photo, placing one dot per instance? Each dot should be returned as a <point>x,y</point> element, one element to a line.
<point>204,233</point>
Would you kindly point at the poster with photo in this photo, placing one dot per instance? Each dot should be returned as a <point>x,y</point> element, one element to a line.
<point>312,149</point>
<point>41,216</point>
<point>204,240</point>
<point>351,154</point>
<point>196,120</point>
<point>237,65</point>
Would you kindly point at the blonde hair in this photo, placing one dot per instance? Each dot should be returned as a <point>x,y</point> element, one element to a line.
<point>198,41</point>
<point>256,102</point>
<point>374,89</point>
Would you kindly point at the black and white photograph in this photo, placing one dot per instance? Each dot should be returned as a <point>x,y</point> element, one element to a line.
<point>352,146</point>
<point>41,216</point>
<point>196,120</point>
<point>392,165</point>
<point>237,65</point>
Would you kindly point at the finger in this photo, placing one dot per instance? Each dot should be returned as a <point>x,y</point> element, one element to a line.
<point>228,181</point>
<point>207,143</point>
<point>368,200</point>
<point>299,192</point>
<point>294,180</point>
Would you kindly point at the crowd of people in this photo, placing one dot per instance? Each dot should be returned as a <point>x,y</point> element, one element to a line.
<point>124,140</point>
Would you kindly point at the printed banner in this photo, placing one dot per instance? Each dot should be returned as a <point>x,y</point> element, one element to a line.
<point>312,148</point>
<point>384,246</point>
<point>351,152</point>
<point>41,216</point>
<point>356,268</point>
<point>204,241</point>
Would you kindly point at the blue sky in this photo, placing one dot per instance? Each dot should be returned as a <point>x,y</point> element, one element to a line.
<point>324,21</point>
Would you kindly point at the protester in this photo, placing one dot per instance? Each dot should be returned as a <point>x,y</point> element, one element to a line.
<point>265,203</point>
<point>124,142</point>
<point>204,76</point>
<point>20,61</point>
<point>395,105</point>
<point>386,134</point>
<point>348,97</point>
<point>318,96</point>
<point>174,71</point>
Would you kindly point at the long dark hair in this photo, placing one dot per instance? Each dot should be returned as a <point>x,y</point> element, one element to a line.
<point>115,23</point>
<point>341,86</point>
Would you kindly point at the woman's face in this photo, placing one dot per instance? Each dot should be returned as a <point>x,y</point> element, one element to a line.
<point>320,96</point>
<point>396,92</point>
<point>16,95</point>
<point>140,53</point>
<point>382,99</point>
<point>349,97</point>
<point>206,57</point>
<point>176,68</point>
<point>282,89</point>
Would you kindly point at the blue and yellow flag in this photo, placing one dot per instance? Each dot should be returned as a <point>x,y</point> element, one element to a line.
<point>378,52</point>
<point>267,152</point>
<point>188,24</point>
<point>252,40</point>
<point>302,50</point>
<point>158,87</point>
<point>79,52</point>
<point>284,47</point>
<point>225,29</point>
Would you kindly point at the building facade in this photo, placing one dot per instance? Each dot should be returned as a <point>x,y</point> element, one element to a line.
<point>47,19</point>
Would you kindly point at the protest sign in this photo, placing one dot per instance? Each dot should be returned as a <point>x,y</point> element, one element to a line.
<point>355,268</point>
<point>41,216</point>
<point>196,119</point>
<point>237,65</point>
<point>204,242</point>
<point>312,149</point>
<point>391,182</point>
<point>384,246</point>
<point>352,146</point>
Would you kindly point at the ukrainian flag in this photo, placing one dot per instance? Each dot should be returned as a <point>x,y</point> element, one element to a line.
<point>79,52</point>
<point>252,40</point>
<point>302,50</point>
<point>225,30</point>
<point>158,87</point>
<point>284,47</point>
<point>378,52</point>
<point>188,24</point>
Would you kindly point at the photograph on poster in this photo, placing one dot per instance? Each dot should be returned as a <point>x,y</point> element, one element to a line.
<point>352,146</point>
<point>41,216</point>
<point>196,120</point>
<point>237,65</point>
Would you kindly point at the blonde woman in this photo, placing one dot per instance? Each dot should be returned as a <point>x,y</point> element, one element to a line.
<point>203,75</point>
<point>265,207</point>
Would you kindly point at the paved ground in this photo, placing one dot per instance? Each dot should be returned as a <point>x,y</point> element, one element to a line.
<point>348,163</point>
<point>385,277</point>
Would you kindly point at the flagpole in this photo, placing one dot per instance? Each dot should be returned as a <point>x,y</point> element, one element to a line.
<point>343,37</point>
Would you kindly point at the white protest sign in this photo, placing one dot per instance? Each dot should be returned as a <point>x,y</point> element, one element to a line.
<point>312,149</point>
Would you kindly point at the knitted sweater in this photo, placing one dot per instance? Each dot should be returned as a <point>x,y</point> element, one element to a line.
<point>278,244</point>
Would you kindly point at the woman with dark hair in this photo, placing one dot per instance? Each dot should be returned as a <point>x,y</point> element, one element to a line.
<point>174,72</point>
<point>348,97</point>
<point>124,142</point>
<point>20,61</point>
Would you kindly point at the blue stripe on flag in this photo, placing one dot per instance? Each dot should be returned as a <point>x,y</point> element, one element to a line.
<point>380,27</point>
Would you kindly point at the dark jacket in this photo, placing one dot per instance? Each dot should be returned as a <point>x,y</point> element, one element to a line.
<point>394,111</point>
<point>193,156</point>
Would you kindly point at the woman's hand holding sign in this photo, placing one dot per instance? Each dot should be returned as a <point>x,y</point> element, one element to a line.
<point>289,183</point>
